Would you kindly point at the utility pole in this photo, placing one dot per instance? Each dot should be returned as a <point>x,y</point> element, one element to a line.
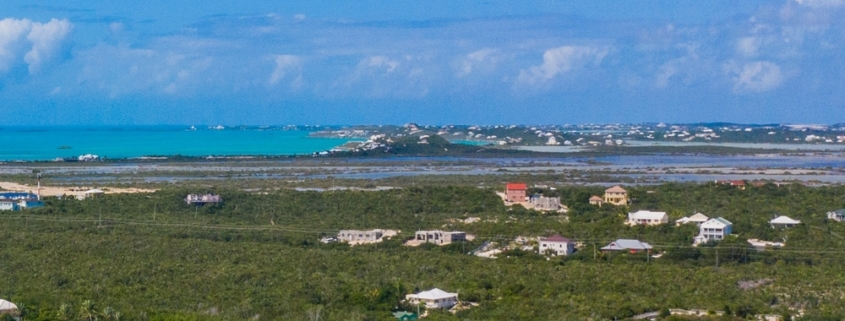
<point>717,257</point>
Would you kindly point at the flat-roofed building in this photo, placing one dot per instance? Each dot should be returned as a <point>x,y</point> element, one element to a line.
<point>359,236</point>
<point>439,237</point>
<point>542,203</point>
<point>203,199</point>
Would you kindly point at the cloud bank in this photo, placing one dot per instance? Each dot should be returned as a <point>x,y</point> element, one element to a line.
<point>35,42</point>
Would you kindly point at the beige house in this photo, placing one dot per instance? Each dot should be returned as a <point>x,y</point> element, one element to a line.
<point>439,237</point>
<point>616,195</point>
<point>696,219</point>
<point>596,200</point>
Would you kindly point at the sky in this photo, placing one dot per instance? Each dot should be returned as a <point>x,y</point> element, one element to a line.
<point>264,62</point>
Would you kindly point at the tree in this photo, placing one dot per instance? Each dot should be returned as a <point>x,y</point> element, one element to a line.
<point>65,312</point>
<point>88,312</point>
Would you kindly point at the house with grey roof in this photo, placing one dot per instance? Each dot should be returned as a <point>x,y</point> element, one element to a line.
<point>784,221</point>
<point>627,245</point>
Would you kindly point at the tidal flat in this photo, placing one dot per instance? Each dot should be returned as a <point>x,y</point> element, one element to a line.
<point>817,168</point>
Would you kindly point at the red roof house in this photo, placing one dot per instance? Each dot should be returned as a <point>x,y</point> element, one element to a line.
<point>515,192</point>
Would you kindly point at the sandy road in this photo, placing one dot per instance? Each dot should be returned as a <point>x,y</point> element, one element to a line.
<point>58,191</point>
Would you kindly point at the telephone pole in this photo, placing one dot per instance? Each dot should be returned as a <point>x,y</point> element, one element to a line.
<point>717,257</point>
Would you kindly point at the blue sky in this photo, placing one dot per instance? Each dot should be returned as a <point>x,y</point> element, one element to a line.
<point>436,62</point>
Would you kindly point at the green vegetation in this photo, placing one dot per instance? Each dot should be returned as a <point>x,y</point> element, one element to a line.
<point>153,257</point>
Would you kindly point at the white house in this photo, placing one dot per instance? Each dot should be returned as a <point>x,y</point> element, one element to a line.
<point>784,221</point>
<point>557,245</point>
<point>433,299</point>
<point>92,193</point>
<point>9,308</point>
<point>8,205</point>
<point>715,229</point>
<point>696,218</point>
<point>643,217</point>
<point>440,237</point>
<point>837,215</point>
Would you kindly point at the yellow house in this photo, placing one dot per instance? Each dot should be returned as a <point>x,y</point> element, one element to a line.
<point>616,195</point>
<point>595,200</point>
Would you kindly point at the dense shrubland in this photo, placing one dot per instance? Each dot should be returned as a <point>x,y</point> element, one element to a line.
<point>153,257</point>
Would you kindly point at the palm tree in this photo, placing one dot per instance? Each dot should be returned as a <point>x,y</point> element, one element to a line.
<point>65,312</point>
<point>88,311</point>
<point>110,314</point>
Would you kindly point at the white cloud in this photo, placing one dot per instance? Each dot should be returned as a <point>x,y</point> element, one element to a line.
<point>664,73</point>
<point>11,36</point>
<point>299,17</point>
<point>121,70</point>
<point>379,62</point>
<point>561,60</point>
<point>821,3</point>
<point>748,46</point>
<point>480,58</point>
<point>758,76</point>
<point>46,39</point>
<point>116,27</point>
<point>284,63</point>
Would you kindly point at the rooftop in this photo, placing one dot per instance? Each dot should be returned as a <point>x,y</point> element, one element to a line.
<point>555,238</point>
<point>784,220</point>
<point>647,215</point>
<point>435,294</point>
<point>627,244</point>
<point>516,186</point>
<point>717,221</point>
<point>615,189</point>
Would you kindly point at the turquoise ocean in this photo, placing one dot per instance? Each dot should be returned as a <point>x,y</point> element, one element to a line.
<point>19,143</point>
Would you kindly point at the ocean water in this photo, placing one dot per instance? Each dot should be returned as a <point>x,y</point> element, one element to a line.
<point>47,143</point>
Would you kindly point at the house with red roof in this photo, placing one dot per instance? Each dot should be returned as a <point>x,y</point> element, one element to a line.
<point>515,192</point>
<point>556,245</point>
